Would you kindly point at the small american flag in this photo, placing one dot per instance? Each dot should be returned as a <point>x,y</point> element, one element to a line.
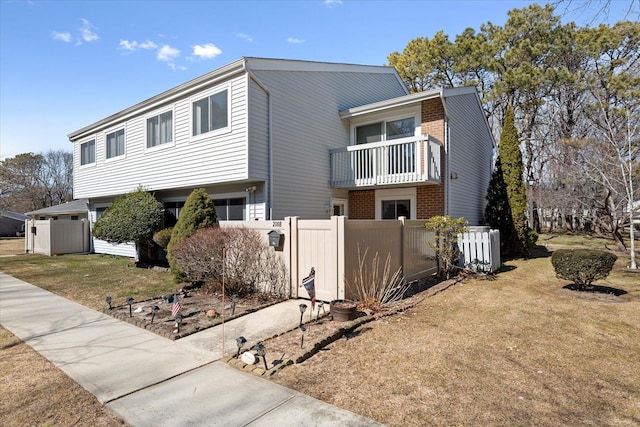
<point>176,308</point>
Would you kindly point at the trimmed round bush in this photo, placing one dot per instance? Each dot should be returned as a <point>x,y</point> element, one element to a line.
<point>163,237</point>
<point>582,266</point>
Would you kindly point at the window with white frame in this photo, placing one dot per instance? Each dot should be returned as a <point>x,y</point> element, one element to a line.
<point>160,129</point>
<point>385,130</point>
<point>394,203</point>
<point>230,209</point>
<point>88,152</point>
<point>211,113</point>
<point>115,144</point>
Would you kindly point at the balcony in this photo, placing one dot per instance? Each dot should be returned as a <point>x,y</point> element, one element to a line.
<point>410,160</point>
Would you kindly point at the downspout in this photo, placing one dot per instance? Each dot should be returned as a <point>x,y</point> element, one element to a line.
<point>269,207</point>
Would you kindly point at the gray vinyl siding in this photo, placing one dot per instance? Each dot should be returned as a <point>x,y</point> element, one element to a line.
<point>306,124</point>
<point>258,113</point>
<point>470,158</point>
<point>185,163</point>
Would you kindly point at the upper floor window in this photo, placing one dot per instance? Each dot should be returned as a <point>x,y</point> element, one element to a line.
<point>160,129</point>
<point>88,152</point>
<point>211,113</point>
<point>392,129</point>
<point>115,144</point>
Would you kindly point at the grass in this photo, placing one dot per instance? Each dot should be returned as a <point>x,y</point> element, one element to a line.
<point>36,393</point>
<point>517,349</point>
<point>88,279</point>
<point>514,349</point>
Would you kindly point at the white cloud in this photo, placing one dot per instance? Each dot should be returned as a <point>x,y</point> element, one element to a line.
<point>332,3</point>
<point>87,31</point>
<point>207,51</point>
<point>294,40</point>
<point>132,46</point>
<point>175,67</point>
<point>65,37</point>
<point>247,37</point>
<point>167,53</point>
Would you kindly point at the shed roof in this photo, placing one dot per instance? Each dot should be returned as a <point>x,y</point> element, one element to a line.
<point>74,207</point>
<point>17,216</point>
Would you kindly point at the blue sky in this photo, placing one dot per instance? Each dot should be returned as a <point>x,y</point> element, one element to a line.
<point>67,64</point>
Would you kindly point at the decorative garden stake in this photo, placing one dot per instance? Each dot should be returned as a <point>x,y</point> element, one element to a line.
<point>240,341</point>
<point>154,310</point>
<point>178,323</point>
<point>108,300</point>
<point>234,300</point>
<point>259,348</point>
<point>303,330</point>
<point>130,301</point>
<point>302,307</point>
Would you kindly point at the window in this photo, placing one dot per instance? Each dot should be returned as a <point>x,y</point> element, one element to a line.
<point>369,133</point>
<point>99,212</point>
<point>160,129</point>
<point>115,144</point>
<point>392,209</point>
<point>392,129</point>
<point>401,128</point>
<point>88,152</point>
<point>172,213</point>
<point>230,209</point>
<point>211,113</point>
<point>74,217</point>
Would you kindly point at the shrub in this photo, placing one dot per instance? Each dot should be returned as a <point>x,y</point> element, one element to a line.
<point>163,237</point>
<point>445,241</point>
<point>198,212</point>
<point>248,264</point>
<point>582,266</point>
<point>373,287</point>
<point>133,217</point>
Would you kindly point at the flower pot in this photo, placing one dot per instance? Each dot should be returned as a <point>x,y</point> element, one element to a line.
<point>343,310</point>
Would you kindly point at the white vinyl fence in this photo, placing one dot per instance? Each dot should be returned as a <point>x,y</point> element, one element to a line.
<point>480,249</point>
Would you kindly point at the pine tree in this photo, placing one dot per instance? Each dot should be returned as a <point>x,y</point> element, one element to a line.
<point>497,213</point>
<point>198,212</point>
<point>512,171</point>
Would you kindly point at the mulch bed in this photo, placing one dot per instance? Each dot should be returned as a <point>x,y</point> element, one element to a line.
<point>200,311</point>
<point>290,347</point>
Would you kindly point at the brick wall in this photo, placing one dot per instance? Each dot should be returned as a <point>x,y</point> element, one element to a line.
<point>362,204</point>
<point>430,198</point>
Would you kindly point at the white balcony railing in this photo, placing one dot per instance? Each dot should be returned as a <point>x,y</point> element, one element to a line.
<point>399,161</point>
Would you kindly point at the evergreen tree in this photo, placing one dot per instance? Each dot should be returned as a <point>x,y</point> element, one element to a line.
<point>512,171</point>
<point>497,213</point>
<point>198,212</point>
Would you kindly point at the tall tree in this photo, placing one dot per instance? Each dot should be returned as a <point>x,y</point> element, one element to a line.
<point>512,174</point>
<point>33,181</point>
<point>497,213</point>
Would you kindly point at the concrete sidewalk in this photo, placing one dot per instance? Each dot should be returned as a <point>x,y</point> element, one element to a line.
<point>152,381</point>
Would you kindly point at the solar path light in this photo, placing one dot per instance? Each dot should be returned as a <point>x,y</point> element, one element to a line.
<point>154,310</point>
<point>302,308</point>
<point>259,348</point>
<point>302,330</point>
<point>130,301</point>
<point>178,323</point>
<point>240,341</point>
<point>320,306</point>
<point>108,300</point>
<point>234,300</point>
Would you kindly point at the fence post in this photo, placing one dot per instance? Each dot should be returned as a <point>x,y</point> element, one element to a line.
<point>292,224</point>
<point>340,254</point>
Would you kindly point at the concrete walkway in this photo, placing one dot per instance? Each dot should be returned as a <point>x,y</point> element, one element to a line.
<point>152,381</point>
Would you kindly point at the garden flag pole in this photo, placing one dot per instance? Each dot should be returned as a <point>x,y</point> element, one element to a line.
<point>176,308</point>
<point>309,284</point>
